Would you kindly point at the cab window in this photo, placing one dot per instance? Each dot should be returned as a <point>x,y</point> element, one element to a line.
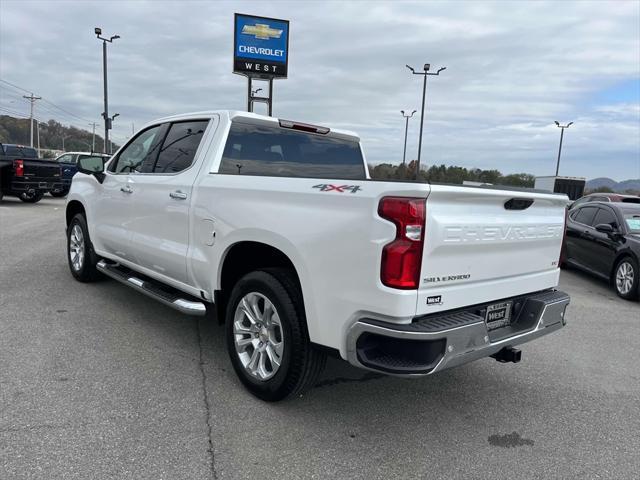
<point>179,147</point>
<point>140,154</point>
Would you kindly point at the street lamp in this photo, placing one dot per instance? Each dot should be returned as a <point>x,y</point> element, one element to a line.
<point>425,73</point>
<point>105,114</point>
<point>112,118</point>
<point>406,129</point>
<point>561,127</point>
<point>253,92</point>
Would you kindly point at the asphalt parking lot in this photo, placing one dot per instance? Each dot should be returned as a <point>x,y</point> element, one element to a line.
<point>98,381</point>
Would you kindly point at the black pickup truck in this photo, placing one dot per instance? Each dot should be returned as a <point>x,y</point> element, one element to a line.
<point>24,175</point>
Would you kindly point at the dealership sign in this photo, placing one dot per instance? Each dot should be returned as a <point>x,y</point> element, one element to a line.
<point>261,46</point>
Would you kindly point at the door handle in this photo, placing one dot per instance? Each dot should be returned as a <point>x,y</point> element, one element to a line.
<point>178,195</point>
<point>126,189</point>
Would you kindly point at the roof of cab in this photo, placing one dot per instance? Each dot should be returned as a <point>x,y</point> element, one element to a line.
<point>247,116</point>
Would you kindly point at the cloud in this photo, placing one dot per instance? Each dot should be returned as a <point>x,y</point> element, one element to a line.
<point>512,69</point>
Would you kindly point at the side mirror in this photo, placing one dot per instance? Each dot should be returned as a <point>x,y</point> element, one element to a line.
<point>92,166</point>
<point>605,228</point>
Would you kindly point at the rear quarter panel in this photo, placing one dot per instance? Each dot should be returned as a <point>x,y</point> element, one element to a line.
<point>334,239</point>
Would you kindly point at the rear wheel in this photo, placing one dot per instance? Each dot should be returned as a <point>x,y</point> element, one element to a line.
<point>80,255</point>
<point>625,278</point>
<point>31,197</point>
<point>267,336</point>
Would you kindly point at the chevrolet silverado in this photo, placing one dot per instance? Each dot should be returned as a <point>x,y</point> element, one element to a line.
<point>276,227</point>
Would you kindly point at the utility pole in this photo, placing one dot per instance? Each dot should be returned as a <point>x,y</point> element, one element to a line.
<point>425,73</point>
<point>561,127</point>
<point>32,99</point>
<point>406,129</point>
<point>105,114</point>
<point>38,130</point>
<point>93,138</point>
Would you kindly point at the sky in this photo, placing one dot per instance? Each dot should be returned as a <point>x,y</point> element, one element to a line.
<point>512,69</point>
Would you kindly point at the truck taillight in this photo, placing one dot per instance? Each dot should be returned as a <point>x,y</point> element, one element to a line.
<point>18,168</point>
<point>402,258</point>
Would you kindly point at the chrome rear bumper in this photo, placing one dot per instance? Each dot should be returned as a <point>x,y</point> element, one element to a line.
<point>435,343</point>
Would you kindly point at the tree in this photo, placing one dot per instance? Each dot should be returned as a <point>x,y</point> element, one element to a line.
<point>451,174</point>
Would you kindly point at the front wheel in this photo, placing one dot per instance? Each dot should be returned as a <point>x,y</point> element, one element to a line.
<point>31,197</point>
<point>626,277</point>
<point>267,336</point>
<point>82,259</point>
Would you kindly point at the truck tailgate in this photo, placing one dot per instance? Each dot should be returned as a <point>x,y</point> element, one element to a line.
<point>488,244</point>
<point>41,170</point>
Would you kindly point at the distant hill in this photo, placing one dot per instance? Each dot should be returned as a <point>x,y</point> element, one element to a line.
<point>631,185</point>
<point>16,130</point>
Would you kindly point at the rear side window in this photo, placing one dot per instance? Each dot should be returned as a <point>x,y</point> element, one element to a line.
<point>278,152</point>
<point>19,151</point>
<point>605,216</point>
<point>585,215</point>
<point>180,146</point>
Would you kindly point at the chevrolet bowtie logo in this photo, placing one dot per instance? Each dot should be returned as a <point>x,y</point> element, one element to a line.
<point>261,31</point>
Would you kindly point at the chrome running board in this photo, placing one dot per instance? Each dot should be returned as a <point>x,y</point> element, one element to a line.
<point>156,290</point>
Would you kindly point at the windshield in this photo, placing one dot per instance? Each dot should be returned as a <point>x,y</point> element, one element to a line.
<point>633,222</point>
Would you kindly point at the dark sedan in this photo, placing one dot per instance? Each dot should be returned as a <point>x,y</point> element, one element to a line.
<point>604,239</point>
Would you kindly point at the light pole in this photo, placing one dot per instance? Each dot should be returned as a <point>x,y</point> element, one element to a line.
<point>425,73</point>
<point>253,92</point>
<point>112,118</point>
<point>105,114</point>
<point>561,127</point>
<point>406,129</point>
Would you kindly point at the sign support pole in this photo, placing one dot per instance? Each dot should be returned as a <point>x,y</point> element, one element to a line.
<point>252,98</point>
<point>249,95</point>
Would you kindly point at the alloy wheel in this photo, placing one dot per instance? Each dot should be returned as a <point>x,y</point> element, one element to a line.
<point>76,248</point>
<point>624,277</point>
<point>258,336</point>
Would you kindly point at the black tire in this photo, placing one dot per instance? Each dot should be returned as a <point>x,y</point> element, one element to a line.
<point>301,362</point>
<point>34,197</point>
<point>86,270</point>
<point>627,262</point>
<point>59,193</point>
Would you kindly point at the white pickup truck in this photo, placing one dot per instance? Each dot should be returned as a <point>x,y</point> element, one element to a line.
<point>276,227</point>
